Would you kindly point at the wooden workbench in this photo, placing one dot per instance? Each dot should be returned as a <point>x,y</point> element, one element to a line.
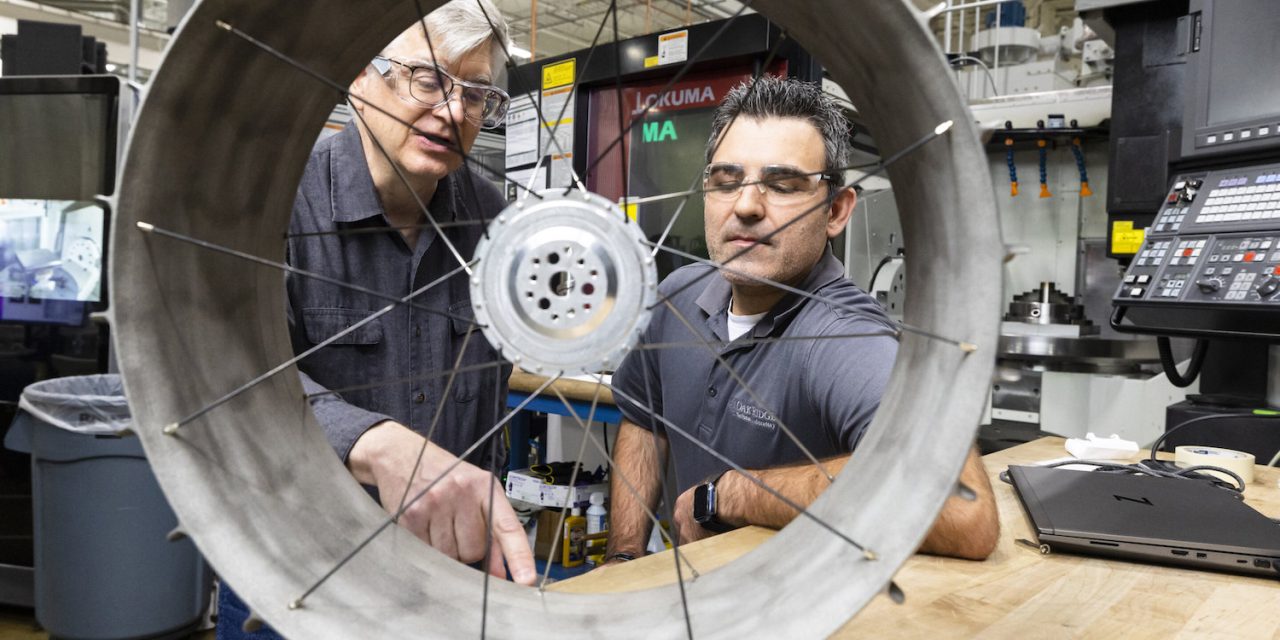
<point>1017,592</point>
<point>571,388</point>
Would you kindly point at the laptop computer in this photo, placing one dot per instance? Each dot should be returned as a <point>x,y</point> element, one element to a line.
<point>1147,519</point>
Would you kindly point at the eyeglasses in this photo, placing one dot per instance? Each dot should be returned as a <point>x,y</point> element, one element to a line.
<point>779,184</point>
<point>430,86</point>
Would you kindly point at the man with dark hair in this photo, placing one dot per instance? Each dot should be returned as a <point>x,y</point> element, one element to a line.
<point>761,394</point>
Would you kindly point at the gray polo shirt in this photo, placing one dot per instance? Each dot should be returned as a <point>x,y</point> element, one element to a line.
<point>826,391</point>
<point>337,194</point>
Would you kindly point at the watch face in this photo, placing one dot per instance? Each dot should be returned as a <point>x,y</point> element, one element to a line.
<point>703,510</point>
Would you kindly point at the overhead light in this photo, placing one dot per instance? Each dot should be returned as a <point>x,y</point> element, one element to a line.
<point>520,52</point>
<point>111,68</point>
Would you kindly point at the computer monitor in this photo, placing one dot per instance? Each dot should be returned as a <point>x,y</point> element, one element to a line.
<point>1233,106</point>
<point>58,140</point>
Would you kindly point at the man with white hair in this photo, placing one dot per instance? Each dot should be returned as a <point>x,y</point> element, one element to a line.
<point>384,393</point>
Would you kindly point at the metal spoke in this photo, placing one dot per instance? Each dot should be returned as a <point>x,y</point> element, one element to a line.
<point>754,396</point>
<point>410,378</point>
<point>670,500</point>
<point>404,180</point>
<point>560,534</point>
<point>384,229</point>
<point>435,419</point>
<point>453,124</point>
<point>626,483</point>
<point>693,186</point>
<point>493,473</point>
<point>693,191</point>
<point>537,108</point>
<point>149,228</point>
<point>657,346</point>
<point>967,347</point>
<point>172,428</point>
<point>667,88</point>
<point>297,603</point>
<point>617,92</point>
<point>896,326</point>
<point>866,553</point>
<point>346,94</point>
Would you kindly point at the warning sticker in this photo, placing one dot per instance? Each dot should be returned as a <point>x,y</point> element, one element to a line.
<point>1125,239</point>
<point>673,47</point>
<point>558,74</point>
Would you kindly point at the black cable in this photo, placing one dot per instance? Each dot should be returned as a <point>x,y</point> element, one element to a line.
<point>1247,416</point>
<point>1156,469</point>
<point>1171,367</point>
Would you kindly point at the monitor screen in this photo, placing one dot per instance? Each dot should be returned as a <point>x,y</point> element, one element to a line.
<point>1232,103</point>
<point>663,153</point>
<point>58,139</point>
<point>1239,91</point>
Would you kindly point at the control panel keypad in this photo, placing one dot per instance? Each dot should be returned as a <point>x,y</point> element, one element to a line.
<point>1215,240</point>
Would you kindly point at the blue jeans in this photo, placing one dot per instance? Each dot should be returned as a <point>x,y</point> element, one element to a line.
<point>232,612</point>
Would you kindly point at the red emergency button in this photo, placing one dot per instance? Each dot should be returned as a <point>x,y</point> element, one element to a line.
<point>1186,253</point>
<point>1248,257</point>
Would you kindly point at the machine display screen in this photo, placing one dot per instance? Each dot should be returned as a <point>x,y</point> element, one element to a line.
<point>663,153</point>
<point>50,259</point>
<point>1241,92</point>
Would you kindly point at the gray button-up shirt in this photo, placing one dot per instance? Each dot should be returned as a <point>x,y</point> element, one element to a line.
<point>385,369</point>
<point>825,390</point>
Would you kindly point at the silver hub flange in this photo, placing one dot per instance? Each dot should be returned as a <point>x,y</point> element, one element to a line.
<point>564,283</point>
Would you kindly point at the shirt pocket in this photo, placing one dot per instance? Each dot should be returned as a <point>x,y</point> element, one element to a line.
<point>468,384</point>
<point>325,322</point>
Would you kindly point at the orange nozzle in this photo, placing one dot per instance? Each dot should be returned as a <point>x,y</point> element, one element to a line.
<point>1044,190</point>
<point>1085,191</point>
<point>1013,188</point>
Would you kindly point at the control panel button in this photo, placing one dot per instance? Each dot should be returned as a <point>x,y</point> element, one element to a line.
<point>1144,279</point>
<point>1268,286</point>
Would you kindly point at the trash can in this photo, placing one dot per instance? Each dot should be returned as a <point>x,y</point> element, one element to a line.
<point>104,568</point>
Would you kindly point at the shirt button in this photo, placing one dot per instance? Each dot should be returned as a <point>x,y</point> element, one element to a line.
<point>420,398</point>
<point>417,332</point>
<point>711,391</point>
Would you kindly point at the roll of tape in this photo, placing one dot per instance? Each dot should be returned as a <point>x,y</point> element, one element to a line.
<point>1235,461</point>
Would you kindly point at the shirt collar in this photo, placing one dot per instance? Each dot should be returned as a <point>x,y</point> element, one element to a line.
<point>714,299</point>
<point>352,194</point>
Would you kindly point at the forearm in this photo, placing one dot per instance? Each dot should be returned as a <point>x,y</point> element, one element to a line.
<point>966,528</point>
<point>741,502</point>
<point>635,487</point>
<point>344,424</point>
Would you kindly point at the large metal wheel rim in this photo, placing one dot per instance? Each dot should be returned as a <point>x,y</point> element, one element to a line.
<point>255,481</point>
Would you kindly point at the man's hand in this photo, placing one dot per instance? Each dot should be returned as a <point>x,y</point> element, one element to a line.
<point>687,528</point>
<point>453,515</point>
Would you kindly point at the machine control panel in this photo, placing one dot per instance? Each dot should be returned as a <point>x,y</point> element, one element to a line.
<point>1214,243</point>
<point>1177,204</point>
<point>1221,269</point>
<point>1227,200</point>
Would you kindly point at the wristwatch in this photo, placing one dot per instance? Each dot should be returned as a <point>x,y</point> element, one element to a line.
<point>704,506</point>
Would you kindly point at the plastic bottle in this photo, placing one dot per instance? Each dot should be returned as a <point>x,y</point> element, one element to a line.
<point>597,516</point>
<point>574,544</point>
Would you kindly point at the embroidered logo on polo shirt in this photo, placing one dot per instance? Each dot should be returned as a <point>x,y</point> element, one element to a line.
<point>752,414</point>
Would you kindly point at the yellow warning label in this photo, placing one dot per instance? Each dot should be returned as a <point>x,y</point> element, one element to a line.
<point>631,208</point>
<point>651,61</point>
<point>558,74</point>
<point>1125,239</point>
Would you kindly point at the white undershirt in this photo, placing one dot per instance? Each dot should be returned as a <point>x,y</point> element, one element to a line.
<point>739,325</point>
